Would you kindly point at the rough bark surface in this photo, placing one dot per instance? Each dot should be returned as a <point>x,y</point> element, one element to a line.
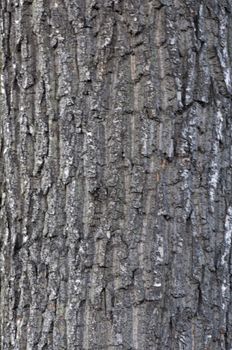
<point>115,169</point>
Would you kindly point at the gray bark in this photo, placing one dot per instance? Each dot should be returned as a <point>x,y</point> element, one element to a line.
<point>115,174</point>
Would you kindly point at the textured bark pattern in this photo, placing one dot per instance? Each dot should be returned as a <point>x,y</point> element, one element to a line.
<point>116,213</point>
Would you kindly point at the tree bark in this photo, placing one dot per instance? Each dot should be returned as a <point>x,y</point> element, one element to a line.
<point>115,174</point>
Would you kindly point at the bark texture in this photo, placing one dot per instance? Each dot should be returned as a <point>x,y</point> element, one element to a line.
<point>115,174</point>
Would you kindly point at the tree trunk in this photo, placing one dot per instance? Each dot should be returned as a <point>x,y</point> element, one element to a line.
<point>116,213</point>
